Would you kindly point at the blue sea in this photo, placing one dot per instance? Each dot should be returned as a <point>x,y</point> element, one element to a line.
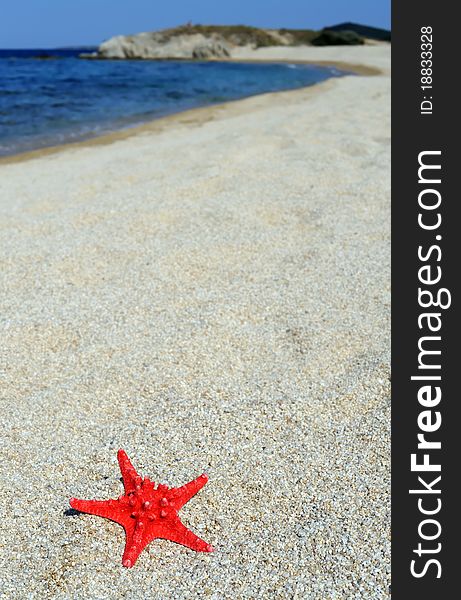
<point>48,97</point>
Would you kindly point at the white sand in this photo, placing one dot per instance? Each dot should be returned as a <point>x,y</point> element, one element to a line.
<point>376,55</point>
<point>210,294</point>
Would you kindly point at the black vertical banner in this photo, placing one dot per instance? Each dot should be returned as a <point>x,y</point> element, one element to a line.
<point>426,255</point>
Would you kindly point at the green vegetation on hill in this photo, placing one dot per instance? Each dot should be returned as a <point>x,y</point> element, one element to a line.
<point>243,35</point>
<point>240,35</point>
<point>300,37</point>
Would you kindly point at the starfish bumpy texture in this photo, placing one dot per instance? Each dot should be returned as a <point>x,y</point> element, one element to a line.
<point>147,512</point>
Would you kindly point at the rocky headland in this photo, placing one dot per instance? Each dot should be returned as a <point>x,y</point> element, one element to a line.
<point>204,42</point>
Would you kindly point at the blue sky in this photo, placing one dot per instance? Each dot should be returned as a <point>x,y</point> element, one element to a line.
<point>50,23</point>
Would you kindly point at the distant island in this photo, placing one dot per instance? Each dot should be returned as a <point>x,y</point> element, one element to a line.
<point>205,42</point>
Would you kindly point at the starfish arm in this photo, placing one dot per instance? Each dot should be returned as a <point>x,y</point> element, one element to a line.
<point>109,509</point>
<point>184,493</point>
<point>179,534</point>
<point>129,475</point>
<point>136,541</point>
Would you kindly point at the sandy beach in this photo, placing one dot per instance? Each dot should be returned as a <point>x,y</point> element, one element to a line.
<point>210,292</point>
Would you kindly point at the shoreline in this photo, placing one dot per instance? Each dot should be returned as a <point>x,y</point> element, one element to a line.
<point>136,129</point>
<point>356,69</point>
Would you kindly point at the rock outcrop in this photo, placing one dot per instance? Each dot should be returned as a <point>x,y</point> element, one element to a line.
<point>157,45</point>
<point>213,49</point>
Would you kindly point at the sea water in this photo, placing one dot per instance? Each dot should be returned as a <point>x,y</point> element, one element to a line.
<point>49,97</point>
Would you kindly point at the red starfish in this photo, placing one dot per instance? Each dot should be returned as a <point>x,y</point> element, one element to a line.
<point>145,512</point>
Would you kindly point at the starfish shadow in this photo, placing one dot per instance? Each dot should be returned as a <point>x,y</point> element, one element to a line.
<point>71,512</point>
